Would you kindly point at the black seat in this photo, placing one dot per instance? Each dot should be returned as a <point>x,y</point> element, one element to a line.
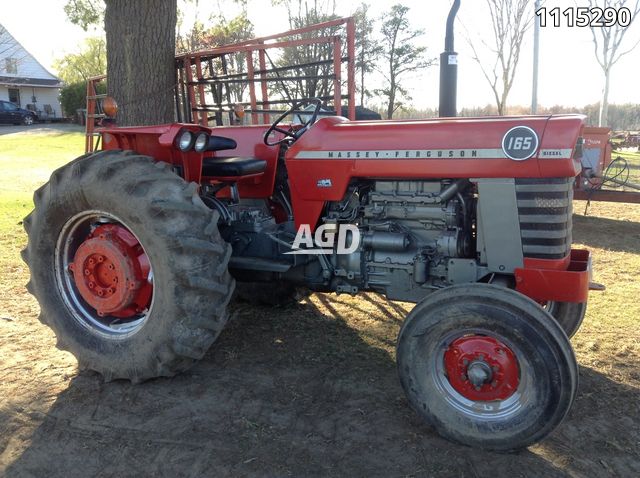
<point>234,166</point>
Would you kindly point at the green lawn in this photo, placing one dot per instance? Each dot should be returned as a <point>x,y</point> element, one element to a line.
<point>26,161</point>
<point>633,160</point>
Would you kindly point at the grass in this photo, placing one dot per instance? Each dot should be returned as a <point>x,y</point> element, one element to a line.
<point>26,161</point>
<point>632,158</point>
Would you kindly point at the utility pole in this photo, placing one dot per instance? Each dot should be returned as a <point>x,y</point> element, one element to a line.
<point>536,48</point>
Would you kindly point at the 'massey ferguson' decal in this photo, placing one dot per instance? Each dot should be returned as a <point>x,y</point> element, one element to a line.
<point>404,154</point>
<point>486,153</point>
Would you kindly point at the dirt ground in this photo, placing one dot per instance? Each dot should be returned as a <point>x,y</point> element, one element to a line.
<point>310,390</point>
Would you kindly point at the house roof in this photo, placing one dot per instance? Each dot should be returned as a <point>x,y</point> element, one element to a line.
<point>51,80</point>
<point>21,81</point>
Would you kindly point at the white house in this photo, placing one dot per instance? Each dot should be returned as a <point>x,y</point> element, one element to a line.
<point>26,82</point>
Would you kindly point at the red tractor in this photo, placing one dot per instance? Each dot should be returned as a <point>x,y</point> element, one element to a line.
<point>134,251</point>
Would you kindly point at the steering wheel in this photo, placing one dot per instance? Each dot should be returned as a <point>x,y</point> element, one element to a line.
<point>291,134</point>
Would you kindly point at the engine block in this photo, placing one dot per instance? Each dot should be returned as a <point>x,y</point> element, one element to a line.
<point>409,230</point>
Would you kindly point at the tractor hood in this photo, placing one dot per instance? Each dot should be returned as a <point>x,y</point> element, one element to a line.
<point>514,146</point>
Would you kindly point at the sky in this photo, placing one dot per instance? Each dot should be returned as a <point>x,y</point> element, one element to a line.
<point>568,71</point>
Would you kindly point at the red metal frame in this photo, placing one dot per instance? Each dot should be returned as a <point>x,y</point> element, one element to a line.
<point>93,105</point>
<point>259,46</point>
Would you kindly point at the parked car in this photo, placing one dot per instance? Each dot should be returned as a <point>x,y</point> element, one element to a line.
<point>12,113</point>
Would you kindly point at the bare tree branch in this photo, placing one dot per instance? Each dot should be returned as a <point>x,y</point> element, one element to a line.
<point>606,46</point>
<point>510,20</point>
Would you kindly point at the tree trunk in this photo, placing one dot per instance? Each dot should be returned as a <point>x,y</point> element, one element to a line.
<point>392,102</point>
<point>604,104</point>
<point>140,59</point>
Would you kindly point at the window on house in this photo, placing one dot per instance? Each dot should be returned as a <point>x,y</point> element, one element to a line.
<point>11,65</point>
<point>14,96</point>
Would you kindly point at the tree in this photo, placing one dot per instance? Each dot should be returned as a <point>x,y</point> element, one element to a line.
<point>303,13</point>
<point>228,32</point>
<point>368,49</point>
<point>606,43</point>
<point>510,20</point>
<point>85,13</point>
<point>90,61</point>
<point>401,55</point>
<point>140,54</point>
<point>140,59</point>
<point>74,96</point>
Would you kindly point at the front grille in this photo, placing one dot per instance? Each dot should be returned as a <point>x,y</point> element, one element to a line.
<point>544,209</point>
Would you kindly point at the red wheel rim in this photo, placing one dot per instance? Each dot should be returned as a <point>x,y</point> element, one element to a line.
<point>111,272</point>
<point>481,368</point>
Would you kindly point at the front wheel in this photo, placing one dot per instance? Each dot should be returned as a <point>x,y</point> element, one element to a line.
<point>127,265</point>
<point>568,314</point>
<point>27,120</point>
<point>486,367</point>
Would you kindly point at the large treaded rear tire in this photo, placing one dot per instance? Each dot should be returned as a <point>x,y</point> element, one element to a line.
<point>191,283</point>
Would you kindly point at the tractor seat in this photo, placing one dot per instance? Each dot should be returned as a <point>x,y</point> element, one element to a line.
<point>234,166</point>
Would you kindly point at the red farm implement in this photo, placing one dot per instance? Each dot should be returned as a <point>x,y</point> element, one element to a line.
<point>604,178</point>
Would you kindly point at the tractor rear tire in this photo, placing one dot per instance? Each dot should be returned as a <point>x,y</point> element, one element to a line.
<point>568,314</point>
<point>486,367</point>
<point>188,259</point>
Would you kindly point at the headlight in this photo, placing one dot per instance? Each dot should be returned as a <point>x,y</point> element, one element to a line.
<point>185,141</point>
<point>201,142</point>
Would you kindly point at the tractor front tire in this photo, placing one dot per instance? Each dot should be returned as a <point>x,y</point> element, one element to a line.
<point>486,367</point>
<point>568,314</point>
<point>114,215</point>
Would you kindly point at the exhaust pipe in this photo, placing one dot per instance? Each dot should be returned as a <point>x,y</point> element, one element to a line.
<point>449,69</point>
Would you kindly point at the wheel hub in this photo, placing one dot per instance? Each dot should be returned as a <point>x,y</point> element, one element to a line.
<point>481,368</point>
<point>111,272</point>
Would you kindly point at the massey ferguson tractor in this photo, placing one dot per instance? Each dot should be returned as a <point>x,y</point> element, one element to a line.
<point>134,250</point>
